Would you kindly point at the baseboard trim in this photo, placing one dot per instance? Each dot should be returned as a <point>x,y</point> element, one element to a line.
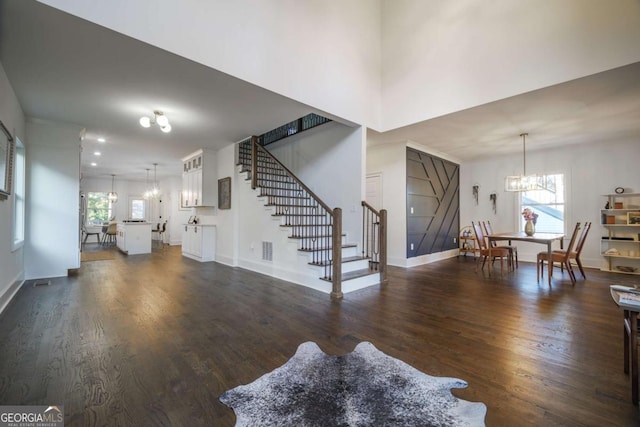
<point>8,295</point>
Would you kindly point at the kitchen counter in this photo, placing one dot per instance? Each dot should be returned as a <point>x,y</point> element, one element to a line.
<point>134,238</point>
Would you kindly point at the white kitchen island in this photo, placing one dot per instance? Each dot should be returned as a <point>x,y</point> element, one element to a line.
<point>134,238</point>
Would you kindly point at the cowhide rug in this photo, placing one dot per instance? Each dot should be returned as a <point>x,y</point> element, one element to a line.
<point>362,388</point>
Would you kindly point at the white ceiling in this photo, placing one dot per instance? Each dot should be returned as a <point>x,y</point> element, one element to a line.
<point>64,69</point>
<point>598,108</point>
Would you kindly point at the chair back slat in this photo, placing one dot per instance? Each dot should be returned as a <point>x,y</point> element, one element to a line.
<point>489,230</point>
<point>482,243</point>
<point>574,235</point>
<point>583,237</point>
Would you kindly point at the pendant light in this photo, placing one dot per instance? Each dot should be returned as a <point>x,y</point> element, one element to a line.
<point>155,190</point>
<point>147,192</point>
<point>112,196</point>
<point>525,182</point>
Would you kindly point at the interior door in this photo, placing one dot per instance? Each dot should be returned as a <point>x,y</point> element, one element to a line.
<point>373,190</point>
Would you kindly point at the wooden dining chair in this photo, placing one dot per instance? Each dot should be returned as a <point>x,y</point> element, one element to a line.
<point>575,254</point>
<point>513,250</point>
<point>561,257</point>
<point>483,247</point>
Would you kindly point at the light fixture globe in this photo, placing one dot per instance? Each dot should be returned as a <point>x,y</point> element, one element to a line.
<point>161,119</point>
<point>145,122</point>
<point>166,128</point>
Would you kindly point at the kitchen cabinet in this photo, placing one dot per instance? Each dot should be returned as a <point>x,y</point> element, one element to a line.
<point>199,179</point>
<point>199,242</point>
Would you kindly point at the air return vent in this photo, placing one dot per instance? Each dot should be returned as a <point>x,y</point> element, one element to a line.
<point>267,251</point>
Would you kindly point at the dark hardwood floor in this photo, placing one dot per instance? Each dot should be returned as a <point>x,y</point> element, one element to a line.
<point>155,339</point>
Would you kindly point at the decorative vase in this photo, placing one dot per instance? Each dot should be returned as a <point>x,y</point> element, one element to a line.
<point>529,228</point>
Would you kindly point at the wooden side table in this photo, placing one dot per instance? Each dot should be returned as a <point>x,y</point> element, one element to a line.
<point>467,242</point>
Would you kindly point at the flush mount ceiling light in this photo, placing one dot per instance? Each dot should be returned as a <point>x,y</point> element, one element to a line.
<point>158,119</point>
<point>525,182</point>
<point>112,196</point>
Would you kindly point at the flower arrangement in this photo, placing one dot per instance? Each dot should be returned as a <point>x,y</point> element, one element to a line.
<point>530,215</point>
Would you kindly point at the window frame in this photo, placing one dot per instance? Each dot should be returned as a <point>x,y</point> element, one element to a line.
<point>145,206</point>
<point>109,209</point>
<point>565,205</point>
<point>19,195</point>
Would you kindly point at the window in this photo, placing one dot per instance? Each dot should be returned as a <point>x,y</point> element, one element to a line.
<point>549,205</point>
<point>137,208</point>
<point>98,208</point>
<point>19,196</point>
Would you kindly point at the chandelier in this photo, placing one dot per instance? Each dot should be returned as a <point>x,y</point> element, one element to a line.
<point>525,182</point>
<point>112,196</point>
<point>158,119</point>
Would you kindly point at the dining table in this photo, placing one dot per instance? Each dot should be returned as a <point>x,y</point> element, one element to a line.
<point>543,238</point>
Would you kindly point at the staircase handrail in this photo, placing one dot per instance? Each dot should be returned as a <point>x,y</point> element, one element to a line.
<point>372,219</point>
<point>371,208</point>
<point>254,184</point>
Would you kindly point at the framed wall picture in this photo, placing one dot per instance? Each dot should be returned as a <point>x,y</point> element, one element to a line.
<point>633,218</point>
<point>6,161</point>
<point>224,193</point>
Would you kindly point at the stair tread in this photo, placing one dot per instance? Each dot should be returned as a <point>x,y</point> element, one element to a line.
<point>290,214</point>
<point>319,236</point>
<point>282,188</point>
<point>356,274</point>
<point>283,196</point>
<point>305,225</point>
<point>344,260</point>
<point>291,206</point>
<point>326,248</point>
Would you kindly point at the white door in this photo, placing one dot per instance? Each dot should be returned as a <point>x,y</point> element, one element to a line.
<point>373,190</point>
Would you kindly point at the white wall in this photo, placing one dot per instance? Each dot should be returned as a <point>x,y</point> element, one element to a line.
<point>591,170</point>
<point>322,53</point>
<point>444,56</point>
<point>53,200</point>
<point>385,63</point>
<point>391,161</point>
<point>328,159</point>
<point>227,220</point>
<point>11,261</point>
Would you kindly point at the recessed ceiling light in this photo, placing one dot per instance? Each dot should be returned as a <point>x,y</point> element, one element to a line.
<point>94,164</point>
<point>101,140</point>
<point>97,153</point>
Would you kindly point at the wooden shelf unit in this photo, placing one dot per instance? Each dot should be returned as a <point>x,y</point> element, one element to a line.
<point>621,233</point>
<point>468,242</point>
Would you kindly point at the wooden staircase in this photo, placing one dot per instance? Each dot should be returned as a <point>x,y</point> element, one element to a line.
<point>311,223</point>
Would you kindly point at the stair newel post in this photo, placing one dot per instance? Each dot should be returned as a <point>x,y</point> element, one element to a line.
<point>254,162</point>
<point>383,246</point>
<point>336,266</point>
